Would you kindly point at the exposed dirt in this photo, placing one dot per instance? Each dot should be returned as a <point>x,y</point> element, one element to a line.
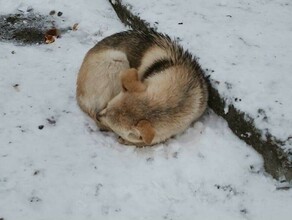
<point>28,27</point>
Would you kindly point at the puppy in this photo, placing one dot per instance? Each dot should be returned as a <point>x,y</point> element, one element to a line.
<point>141,85</point>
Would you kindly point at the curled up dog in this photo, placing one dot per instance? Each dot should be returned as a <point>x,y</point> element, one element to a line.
<point>141,85</point>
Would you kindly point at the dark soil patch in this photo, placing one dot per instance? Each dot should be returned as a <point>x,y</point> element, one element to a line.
<point>26,28</point>
<point>29,36</point>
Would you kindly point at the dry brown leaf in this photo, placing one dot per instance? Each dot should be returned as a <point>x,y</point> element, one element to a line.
<point>75,27</point>
<point>51,35</point>
<point>49,39</point>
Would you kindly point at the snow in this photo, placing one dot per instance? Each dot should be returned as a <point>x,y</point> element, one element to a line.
<point>67,169</point>
<point>247,44</point>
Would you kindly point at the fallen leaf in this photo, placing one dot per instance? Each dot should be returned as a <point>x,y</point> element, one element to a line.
<point>49,39</point>
<point>75,27</point>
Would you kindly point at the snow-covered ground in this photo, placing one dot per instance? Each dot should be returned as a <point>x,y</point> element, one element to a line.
<point>248,45</point>
<point>55,164</point>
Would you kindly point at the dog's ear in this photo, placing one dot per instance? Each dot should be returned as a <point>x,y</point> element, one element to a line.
<point>146,131</point>
<point>130,81</point>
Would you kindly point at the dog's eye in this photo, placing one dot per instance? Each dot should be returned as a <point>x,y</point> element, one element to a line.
<point>124,88</point>
<point>140,138</point>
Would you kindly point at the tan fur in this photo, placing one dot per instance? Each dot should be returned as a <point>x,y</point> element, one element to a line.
<point>125,113</point>
<point>142,86</point>
<point>145,131</point>
<point>130,82</point>
<point>98,79</point>
<point>152,54</point>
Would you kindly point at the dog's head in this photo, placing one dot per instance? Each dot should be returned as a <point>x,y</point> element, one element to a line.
<point>125,113</point>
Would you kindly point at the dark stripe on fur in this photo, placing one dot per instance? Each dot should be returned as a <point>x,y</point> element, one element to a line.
<point>156,67</point>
